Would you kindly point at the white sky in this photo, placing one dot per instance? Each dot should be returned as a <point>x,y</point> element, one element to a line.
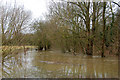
<point>38,7</point>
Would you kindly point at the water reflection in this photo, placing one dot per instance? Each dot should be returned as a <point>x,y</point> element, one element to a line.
<point>57,65</point>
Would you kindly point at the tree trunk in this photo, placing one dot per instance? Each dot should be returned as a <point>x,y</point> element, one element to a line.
<point>104,22</point>
<point>88,51</point>
<point>93,27</point>
<point>118,29</point>
<point>119,41</point>
<point>118,34</point>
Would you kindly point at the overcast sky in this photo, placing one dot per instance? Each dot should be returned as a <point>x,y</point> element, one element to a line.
<point>38,7</point>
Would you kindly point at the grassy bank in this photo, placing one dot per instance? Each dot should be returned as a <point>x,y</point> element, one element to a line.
<point>13,48</point>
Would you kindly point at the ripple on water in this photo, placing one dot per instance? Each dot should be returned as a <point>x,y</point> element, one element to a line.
<point>50,64</point>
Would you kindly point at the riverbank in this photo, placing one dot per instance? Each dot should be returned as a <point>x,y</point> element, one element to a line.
<point>15,49</point>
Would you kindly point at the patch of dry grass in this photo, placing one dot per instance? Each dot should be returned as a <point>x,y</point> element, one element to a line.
<point>13,48</point>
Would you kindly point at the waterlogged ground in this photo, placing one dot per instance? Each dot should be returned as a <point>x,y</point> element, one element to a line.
<point>52,64</point>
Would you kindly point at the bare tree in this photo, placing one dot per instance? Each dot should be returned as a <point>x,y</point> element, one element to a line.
<point>13,21</point>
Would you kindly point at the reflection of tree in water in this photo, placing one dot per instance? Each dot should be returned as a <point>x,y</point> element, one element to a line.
<point>12,66</point>
<point>44,66</point>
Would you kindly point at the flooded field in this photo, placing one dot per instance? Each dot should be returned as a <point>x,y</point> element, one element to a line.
<point>53,64</point>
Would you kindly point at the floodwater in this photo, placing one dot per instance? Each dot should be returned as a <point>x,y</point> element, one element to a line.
<point>53,64</point>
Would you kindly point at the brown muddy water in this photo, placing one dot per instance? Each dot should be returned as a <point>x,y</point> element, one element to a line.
<point>53,64</point>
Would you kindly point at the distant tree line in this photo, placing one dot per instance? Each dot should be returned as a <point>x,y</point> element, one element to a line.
<point>81,27</point>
